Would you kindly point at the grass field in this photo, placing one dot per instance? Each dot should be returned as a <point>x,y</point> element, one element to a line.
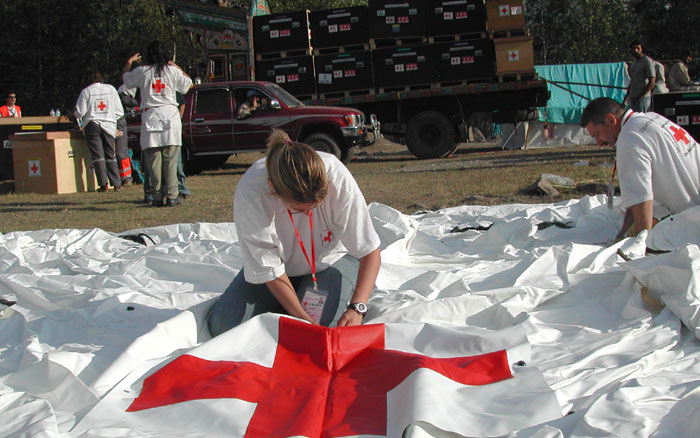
<point>481,174</point>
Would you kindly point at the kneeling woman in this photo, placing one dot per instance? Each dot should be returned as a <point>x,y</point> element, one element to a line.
<point>309,248</point>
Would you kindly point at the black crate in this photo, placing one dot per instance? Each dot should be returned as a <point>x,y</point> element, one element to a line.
<point>344,72</point>
<point>396,19</point>
<point>464,60</point>
<point>295,74</point>
<point>402,65</point>
<point>446,17</point>
<point>277,33</point>
<point>339,27</point>
<point>682,108</point>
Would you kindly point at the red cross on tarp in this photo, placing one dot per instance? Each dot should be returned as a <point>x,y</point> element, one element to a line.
<point>158,86</point>
<point>680,134</point>
<point>328,236</point>
<point>102,106</point>
<point>342,372</point>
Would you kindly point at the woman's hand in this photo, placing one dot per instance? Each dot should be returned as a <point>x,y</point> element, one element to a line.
<point>134,58</point>
<point>350,317</point>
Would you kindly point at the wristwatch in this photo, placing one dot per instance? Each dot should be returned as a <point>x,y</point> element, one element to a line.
<point>360,308</point>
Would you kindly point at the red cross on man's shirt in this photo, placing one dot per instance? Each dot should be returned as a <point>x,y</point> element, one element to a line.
<point>680,134</point>
<point>158,86</point>
<point>342,372</point>
<point>102,106</point>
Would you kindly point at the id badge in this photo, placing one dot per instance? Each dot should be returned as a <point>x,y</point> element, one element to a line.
<point>313,302</point>
<point>611,193</point>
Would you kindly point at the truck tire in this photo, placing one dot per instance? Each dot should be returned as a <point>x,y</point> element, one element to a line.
<point>324,143</point>
<point>430,135</point>
<point>347,154</point>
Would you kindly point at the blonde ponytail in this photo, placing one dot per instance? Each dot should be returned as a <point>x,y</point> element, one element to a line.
<point>296,172</point>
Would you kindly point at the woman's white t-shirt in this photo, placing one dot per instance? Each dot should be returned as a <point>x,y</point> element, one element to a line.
<point>341,225</point>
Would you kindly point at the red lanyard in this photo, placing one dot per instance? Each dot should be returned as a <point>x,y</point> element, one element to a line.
<point>615,167</point>
<point>312,262</point>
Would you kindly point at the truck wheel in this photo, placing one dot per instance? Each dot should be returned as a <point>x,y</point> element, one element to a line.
<point>347,154</point>
<point>430,135</point>
<point>324,143</point>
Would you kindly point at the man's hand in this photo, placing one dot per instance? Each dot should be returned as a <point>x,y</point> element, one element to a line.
<point>350,317</point>
<point>134,58</point>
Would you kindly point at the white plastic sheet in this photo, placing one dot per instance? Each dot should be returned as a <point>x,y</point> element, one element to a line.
<point>613,339</point>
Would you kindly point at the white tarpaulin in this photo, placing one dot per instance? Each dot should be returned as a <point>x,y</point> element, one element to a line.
<point>601,339</point>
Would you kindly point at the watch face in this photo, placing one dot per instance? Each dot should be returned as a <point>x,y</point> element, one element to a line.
<point>359,307</point>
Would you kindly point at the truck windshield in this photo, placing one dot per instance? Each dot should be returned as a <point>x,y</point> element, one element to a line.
<point>283,95</point>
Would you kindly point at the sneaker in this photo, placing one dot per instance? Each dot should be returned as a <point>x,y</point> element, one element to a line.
<point>183,196</point>
<point>157,203</point>
<point>117,188</point>
<point>173,202</point>
<point>126,183</point>
<point>103,188</point>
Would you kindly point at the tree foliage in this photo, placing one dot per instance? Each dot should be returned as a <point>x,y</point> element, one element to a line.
<point>51,46</point>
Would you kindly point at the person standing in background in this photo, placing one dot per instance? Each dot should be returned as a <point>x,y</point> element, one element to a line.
<point>678,77</point>
<point>10,109</point>
<point>97,111</point>
<point>642,80</point>
<point>128,100</point>
<point>660,85</point>
<point>161,127</point>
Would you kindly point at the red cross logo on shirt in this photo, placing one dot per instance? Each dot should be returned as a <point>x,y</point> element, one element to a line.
<point>101,106</point>
<point>343,372</point>
<point>158,86</point>
<point>680,134</point>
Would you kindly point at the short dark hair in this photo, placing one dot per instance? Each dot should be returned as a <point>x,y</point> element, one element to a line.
<point>96,76</point>
<point>10,92</point>
<point>636,43</point>
<point>597,109</point>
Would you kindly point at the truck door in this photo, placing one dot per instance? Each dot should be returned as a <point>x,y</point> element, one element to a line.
<point>210,131</point>
<point>250,132</point>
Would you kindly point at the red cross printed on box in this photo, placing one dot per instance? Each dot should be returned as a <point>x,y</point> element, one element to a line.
<point>158,86</point>
<point>680,134</point>
<point>343,372</point>
<point>513,55</point>
<point>504,10</point>
<point>34,168</point>
<point>101,106</point>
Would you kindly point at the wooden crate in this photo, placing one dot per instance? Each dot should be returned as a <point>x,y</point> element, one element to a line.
<point>447,17</point>
<point>505,15</point>
<point>339,27</point>
<point>276,33</point>
<point>403,65</point>
<point>464,60</point>
<point>294,74</point>
<point>514,55</point>
<point>52,162</point>
<point>394,19</point>
<point>344,72</point>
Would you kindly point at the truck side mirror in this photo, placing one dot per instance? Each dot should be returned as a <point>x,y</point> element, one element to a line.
<point>275,104</point>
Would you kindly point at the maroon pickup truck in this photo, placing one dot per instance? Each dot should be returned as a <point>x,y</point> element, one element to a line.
<point>212,128</point>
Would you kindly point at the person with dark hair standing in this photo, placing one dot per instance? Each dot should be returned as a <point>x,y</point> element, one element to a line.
<point>678,77</point>
<point>308,243</point>
<point>658,161</point>
<point>97,111</point>
<point>10,109</point>
<point>642,79</point>
<point>161,129</point>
